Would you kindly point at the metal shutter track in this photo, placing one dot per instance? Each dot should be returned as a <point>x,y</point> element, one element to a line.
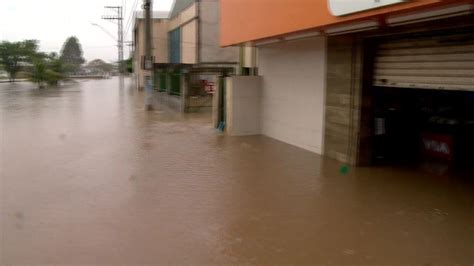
<point>440,62</point>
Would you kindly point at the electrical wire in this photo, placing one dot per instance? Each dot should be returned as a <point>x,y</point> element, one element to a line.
<point>129,20</point>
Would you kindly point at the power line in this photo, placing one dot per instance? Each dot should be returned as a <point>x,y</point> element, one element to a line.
<point>124,4</point>
<point>132,10</point>
<point>105,30</point>
<point>130,23</point>
<point>130,18</point>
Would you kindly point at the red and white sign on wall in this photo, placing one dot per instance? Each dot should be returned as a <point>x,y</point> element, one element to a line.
<point>438,146</point>
<point>208,86</point>
<point>346,7</point>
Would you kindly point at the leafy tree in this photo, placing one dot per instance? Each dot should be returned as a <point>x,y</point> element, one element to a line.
<point>38,73</point>
<point>16,55</point>
<point>55,63</point>
<point>129,63</point>
<point>126,65</point>
<point>71,54</point>
<point>47,70</point>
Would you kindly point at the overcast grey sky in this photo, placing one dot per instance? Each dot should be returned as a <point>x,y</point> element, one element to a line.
<point>52,21</point>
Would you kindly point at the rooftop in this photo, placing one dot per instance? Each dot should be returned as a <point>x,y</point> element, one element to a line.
<point>179,6</point>
<point>155,15</point>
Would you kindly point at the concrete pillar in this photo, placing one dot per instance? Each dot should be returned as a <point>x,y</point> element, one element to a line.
<point>243,100</point>
<point>216,102</point>
<point>184,92</point>
<point>343,99</point>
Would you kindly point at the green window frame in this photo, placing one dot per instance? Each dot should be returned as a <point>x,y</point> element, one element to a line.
<point>175,82</point>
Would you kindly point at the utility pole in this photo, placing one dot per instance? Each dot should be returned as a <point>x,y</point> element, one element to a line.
<point>119,18</point>
<point>148,60</point>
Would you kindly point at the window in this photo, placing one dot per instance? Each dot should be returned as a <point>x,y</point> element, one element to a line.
<point>175,82</point>
<point>175,46</point>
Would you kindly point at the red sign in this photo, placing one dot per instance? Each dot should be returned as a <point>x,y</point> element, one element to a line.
<point>209,86</point>
<point>438,146</point>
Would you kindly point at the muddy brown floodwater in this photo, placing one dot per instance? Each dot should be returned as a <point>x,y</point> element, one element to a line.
<point>89,178</point>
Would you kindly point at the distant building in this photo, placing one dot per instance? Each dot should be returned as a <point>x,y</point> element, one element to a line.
<point>98,67</point>
<point>160,42</point>
<point>4,74</point>
<point>189,62</point>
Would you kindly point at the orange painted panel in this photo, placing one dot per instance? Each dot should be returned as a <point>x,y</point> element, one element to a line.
<point>249,20</point>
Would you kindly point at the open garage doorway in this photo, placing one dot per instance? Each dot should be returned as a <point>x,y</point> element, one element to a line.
<point>424,126</point>
<point>422,100</point>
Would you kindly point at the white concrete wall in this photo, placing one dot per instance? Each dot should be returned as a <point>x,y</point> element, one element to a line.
<point>160,41</point>
<point>189,42</point>
<point>209,47</point>
<point>293,92</point>
<point>249,54</point>
<point>187,20</point>
<point>184,17</point>
<point>243,98</point>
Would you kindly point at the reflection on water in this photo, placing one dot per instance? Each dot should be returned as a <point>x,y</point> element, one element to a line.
<point>89,177</point>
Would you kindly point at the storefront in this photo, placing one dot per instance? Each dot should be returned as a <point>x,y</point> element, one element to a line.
<point>419,95</point>
<point>388,82</point>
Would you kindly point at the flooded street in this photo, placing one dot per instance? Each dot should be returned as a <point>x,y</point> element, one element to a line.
<point>90,178</point>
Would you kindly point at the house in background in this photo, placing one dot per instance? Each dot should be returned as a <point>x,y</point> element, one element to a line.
<point>189,62</point>
<point>4,74</point>
<point>98,67</point>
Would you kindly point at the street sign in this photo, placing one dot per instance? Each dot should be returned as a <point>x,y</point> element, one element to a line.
<point>345,7</point>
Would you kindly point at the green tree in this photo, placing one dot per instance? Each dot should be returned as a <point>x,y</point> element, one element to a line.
<point>38,73</point>
<point>129,65</point>
<point>16,55</point>
<point>126,65</point>
<point>71,54</point>
<point>47,70</point>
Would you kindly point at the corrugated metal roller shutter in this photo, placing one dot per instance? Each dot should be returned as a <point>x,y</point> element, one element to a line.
<point>435,62</point>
